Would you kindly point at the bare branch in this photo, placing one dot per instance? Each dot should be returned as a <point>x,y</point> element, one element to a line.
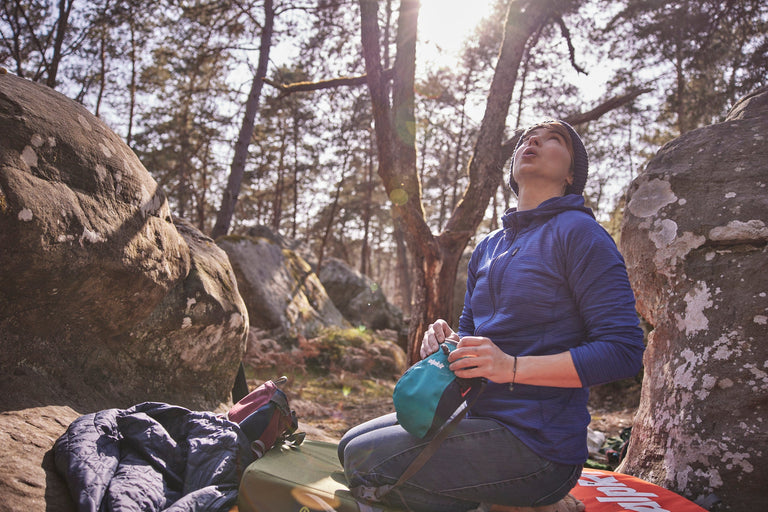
<point>508,148</point>
<point>351,81</point>
<point>246,10</point>
<point>605,107</point>
<point>571,51</point>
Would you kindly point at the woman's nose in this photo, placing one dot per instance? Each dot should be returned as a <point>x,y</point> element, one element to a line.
<point>533,140</point>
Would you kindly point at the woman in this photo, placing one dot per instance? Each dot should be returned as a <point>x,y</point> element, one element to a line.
<point>547,313</point>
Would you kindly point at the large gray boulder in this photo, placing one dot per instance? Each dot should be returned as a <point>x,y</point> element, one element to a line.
<point>282,293</point>
<point>105,299</point>
<point>188,349</point>
<point>99,289</point>
<point>695,238</point>
<point>358,298</point>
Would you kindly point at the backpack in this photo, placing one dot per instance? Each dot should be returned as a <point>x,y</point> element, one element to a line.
<point>265,418</point>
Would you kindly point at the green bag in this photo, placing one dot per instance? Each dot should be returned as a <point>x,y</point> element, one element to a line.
<point>429,393</point>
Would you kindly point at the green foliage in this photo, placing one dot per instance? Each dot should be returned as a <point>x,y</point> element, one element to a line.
<point>328,348</point>
<point>352,337</point>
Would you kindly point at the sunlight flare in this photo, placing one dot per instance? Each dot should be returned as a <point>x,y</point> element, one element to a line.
<point>444,26</point>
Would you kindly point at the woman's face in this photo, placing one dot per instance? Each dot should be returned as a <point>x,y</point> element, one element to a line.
<point>544,159</point>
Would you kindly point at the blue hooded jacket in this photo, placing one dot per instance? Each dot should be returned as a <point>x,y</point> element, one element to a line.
<point>552,280</point>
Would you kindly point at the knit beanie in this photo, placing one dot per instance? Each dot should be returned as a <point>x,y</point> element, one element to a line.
<point>580,162</point>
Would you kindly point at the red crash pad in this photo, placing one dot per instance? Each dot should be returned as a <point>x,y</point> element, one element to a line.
<point>605,491</point>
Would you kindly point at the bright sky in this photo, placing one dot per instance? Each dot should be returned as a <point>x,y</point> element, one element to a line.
<point>445,24</point>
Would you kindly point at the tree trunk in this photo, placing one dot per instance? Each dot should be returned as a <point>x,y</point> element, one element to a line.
<point>237,169</point>
<point>277,203</point>
<point>402,266</point>
<point>295,175</point>
<point>61,30</point>
<point>332,213</point>
<point>102,60</point>
<point>365,249</point>
<point>132,85</point>
<point>395,138</point>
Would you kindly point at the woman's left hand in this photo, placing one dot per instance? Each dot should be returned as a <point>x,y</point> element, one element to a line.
<point>476,356</point>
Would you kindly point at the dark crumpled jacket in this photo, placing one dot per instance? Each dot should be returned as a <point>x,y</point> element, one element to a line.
<point>152,457</point>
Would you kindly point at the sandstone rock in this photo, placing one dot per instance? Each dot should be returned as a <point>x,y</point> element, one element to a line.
<point>187,351</point>
<point>695,238</point>
<point>280,290</point>
<point>358,298</point>
<point>30,481</point>
<point>80,220</point>
<point>98,286</point>
<point>380,358</point>
<point>104,300</point>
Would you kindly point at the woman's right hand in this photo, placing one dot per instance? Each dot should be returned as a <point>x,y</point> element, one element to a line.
<point>437,333</point>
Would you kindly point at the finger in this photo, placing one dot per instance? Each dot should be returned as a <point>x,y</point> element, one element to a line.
<point>443,328</point>
<point>428,345</point>
<point>472,341</point>
<point>460,353</point>
<point>432,341</point>
<point>464,353</point>
<point>465,369</point>
<point>439,331</point>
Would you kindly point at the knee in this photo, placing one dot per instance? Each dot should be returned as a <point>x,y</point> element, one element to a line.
<point>361,430</point>
<point>358,458</point>
<point>345,439</point>
<point>348,453</point>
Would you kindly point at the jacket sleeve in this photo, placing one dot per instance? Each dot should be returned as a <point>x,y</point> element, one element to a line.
<point>596,273</point>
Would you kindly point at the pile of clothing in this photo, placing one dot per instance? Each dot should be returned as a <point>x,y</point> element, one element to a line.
<point>153,456</point>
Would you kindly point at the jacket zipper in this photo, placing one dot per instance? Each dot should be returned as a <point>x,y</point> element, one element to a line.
<point>491,291</point>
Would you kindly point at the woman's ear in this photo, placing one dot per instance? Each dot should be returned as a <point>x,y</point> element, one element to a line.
<point>569,178</point>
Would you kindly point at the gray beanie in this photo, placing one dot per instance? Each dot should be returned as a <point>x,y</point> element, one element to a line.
<point>580,162</point>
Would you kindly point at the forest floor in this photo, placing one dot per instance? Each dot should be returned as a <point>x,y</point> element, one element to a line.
<point>329,404</point>
<point>329,400</point>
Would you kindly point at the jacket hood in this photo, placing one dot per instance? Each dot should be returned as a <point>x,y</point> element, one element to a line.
<point>517,220</point>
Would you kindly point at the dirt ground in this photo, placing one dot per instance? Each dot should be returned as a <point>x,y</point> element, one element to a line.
<point>327,406</point>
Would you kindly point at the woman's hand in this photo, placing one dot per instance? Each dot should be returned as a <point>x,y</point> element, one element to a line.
<point>437,333</point>
<point>480,357</point>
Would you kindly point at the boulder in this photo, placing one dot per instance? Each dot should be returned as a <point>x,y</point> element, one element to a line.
<point>188,349</point>
<point>359,298</point>
<point>280,290</point>
<point>105,299</point>
<point>80,221</point>
<point>29,480</point>
<point>695,239</point>
<point>99,289</point>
